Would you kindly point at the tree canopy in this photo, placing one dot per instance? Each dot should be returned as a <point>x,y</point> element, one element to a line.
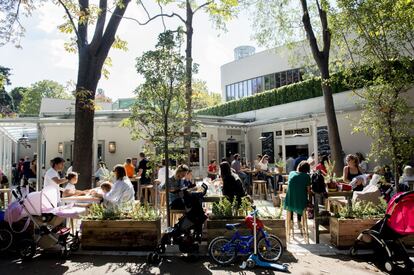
<point>32,98</point>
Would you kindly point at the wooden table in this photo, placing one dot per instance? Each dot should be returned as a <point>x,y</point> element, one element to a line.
<point>316,199</point>
<point>213,198</point>
<point>81,199</point>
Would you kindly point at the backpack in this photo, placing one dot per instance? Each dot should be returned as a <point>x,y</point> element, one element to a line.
<point>318,182</point>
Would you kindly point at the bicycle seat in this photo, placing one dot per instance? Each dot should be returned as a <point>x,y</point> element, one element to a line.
<point>231,226</point>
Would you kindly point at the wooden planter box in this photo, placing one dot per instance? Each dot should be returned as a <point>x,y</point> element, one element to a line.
<point>345,231</point>
<point>217,228</point>
<point>120,234</point>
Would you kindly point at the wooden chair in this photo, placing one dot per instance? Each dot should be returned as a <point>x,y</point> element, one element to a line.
<point>303,230</point>
<point>259,189</point>
<point>175,215</point>
<point>148,192</point>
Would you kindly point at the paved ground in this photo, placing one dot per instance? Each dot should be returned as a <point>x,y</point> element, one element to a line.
<point>91,264</point>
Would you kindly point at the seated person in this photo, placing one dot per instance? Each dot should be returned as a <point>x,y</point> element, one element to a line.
<point>406,179</point>
<point>121,193</point>
<point>175,186</point>
<point>70,189</point>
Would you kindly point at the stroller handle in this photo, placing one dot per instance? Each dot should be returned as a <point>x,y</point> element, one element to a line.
<point>397,200</point>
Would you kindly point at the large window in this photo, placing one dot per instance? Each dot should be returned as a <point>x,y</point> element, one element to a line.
<point>263,83</point>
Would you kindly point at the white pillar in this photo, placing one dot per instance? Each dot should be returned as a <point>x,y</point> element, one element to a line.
<point>200,155</point>
<point>39,156</point>
<point>315,140</point>
<point>246,146</point>
<point>283,145</point>
<point>95,149</point>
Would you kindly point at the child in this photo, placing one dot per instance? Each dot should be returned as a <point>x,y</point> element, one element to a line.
<point>70,189</point>
<point>106,187</point>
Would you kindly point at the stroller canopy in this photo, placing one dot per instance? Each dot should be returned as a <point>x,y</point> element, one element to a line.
<point>401,211</point>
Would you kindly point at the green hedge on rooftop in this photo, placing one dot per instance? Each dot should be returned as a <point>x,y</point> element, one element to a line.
<point>306,89</point>
<point>354,78</point>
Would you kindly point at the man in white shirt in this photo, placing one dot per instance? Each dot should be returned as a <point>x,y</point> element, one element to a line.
<point>52,178</point>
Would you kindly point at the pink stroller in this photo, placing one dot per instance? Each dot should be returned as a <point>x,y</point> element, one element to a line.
<point>44,224</point>
<point>385,236</point>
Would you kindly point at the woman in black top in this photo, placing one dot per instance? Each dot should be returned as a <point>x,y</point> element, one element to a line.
<point>232,185</point>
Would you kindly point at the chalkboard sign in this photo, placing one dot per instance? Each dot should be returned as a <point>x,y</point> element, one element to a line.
<point>323,140</point>
<point>268,146</point>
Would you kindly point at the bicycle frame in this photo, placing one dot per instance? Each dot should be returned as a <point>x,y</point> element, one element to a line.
<point>243,243</point>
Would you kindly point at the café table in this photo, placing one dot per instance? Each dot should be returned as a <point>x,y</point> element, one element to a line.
<point>317,198</point>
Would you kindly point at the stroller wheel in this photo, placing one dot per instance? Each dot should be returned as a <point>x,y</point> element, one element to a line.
<point>74,246</point>
<point>389,266</point>
<point>153,258</point>
<point>27,249</point>
<point>6,239</point>
<point>353,251</point>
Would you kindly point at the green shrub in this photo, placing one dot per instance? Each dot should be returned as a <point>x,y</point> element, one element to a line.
<point>226,209</point>
<point>135,212</point>
<point>363,210</point>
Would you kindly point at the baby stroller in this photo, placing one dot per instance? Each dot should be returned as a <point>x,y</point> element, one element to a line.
<point>385,236</point>
<point>43,227</point>
<point>187,232</point>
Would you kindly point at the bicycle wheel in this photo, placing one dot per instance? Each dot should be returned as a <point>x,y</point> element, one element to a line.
<point>270,248</point>
<point>222,251</point>
<point>6,239</point>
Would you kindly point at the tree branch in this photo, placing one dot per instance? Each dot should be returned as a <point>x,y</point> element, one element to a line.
<point>71,21</point>
<point>109,34</point>
<point>202,6</point>
<point>309,32</point>
<point>83,26</point>
<point>100,25</point>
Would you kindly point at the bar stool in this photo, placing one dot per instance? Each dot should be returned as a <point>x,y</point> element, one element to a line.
<point>175,215</point>
<point>259,188</point>
<point>148,192</point>
<point>303,230</point>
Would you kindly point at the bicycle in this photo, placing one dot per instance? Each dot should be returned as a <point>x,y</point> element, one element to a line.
<point>224,250</point>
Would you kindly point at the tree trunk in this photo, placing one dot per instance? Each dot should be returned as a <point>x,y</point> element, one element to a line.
<point>166,158</point>
<point>89,74</point>
<point>322,60</point>
<point>188,81</point>
<point>333,131</point>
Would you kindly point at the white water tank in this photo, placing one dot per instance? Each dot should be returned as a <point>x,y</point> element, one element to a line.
<point>243,51</point>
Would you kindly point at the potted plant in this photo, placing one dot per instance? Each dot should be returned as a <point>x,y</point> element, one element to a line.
<point>330,177</point>
<point>349,222</point>
<point>128,228</point>
<point>225,212</point>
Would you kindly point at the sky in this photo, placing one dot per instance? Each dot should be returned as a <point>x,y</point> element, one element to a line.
<point>43,55</point>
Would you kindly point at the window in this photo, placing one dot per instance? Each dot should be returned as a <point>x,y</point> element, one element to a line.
<point>277,82</point>
<point>249,87</point>
<point>267,82</point>
<point>272,81</point>
<point>259,82</point>
<point>236,90</point>
<point>282,79</point>
<point>228,87</point>
<point>245,88</point>
<point>240,90</point>
<point>289,77</point>
<point>254,86</point>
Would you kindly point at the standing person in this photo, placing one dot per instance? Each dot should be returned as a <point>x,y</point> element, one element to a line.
<point>236,165</point>
<point>232,185</point>
<point>363,164</point>
<point>102,172</point>
<point>321,165</point>
<point>27,172</point>
<point>298,186</point>
<point>52,178</point>
<point>135,163</point>
<point>313,161</point>
<point>352,170</point>
<point>20,169</point>
<point>122,191</point>
<point>129,168</point>
<point>142,169</point>
<point>290,164</point>
<point>212,169</point>
<point>298,160</point>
